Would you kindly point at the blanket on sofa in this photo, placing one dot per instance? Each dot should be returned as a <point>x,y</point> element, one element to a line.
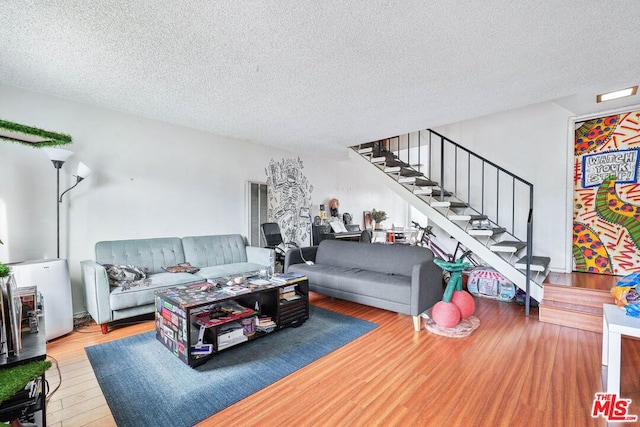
<point>127,276</point>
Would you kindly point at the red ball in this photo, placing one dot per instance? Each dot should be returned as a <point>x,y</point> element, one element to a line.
<point>465,303</point>
<point>445,314</point>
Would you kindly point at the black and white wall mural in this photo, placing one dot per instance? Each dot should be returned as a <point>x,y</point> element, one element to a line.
<point>289,195</point>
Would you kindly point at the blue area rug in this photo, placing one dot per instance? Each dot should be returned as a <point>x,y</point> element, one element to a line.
<point>146,385</point>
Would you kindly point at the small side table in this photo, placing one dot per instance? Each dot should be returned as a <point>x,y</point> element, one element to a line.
<point>615,323</point>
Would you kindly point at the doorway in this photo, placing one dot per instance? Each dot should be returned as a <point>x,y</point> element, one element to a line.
<point>257,202</point>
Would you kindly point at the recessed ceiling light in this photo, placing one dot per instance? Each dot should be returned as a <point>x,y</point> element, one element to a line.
<point>630,91</point>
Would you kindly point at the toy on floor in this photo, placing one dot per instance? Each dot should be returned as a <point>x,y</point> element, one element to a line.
<point>456,304</point>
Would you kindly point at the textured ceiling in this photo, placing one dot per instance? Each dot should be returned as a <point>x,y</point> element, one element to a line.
<point>321,75</point>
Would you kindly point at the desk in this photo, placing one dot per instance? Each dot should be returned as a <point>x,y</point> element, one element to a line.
<point>615,323</point>
<point>322,232</point>
<point>399,236</point>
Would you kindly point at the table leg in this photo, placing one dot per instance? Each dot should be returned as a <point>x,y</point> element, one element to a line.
<point>613,356</point>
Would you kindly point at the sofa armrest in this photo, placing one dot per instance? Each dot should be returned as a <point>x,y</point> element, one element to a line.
<point>262,256</point>
<point>426,286</point>
<point>300,255</point>
<point>96,291</point>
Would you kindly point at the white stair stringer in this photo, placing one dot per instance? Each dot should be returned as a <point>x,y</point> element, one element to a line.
<point>440,219</point>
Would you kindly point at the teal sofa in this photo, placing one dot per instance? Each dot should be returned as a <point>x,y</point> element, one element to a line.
<point>215,256</point>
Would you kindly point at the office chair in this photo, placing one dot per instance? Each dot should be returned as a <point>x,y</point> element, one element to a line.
<point>273,240</point>
<point>365,236</point>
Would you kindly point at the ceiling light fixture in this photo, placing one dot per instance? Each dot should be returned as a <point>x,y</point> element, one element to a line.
<point>630,91</point>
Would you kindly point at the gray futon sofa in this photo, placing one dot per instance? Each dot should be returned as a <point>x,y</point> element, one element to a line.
<point>215,256</point>
<point>399,278</point>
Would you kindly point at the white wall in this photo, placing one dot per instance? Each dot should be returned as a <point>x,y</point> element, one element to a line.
<point>151,179</point>
<point>359,192</point>
<point>531,142</point>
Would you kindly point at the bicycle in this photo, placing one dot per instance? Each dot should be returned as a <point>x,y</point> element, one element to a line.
<point>427,240</point>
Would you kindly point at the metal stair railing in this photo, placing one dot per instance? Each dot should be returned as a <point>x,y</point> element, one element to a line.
<point>437,155</point>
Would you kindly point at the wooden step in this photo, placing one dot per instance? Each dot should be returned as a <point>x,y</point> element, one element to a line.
<point>430,191</point>
<point>538,263</point>
<point>449,204</point>
<point>368,144</point>
<point>488,232</point>
<point>423,191</point>
<point>405,171</point>
<point>419,181</point>
<point>466,217</point>
<point>577,298</point>
<point>509,246</point>
<point>576,307</point>
<point>389,162</point>
<point>571,318</point>
<point>424,182</point>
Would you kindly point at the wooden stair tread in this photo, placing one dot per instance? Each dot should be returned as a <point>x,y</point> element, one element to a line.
<point>409,172</point>
<point>573,319</point>
<point>510,246</point>
<point>424,182</point>
<point>570,307</point>
<point>449,204</point>
<point>538,263</point>
<point>578,307</point>
<point>466,217</point>
<point>487,232</point>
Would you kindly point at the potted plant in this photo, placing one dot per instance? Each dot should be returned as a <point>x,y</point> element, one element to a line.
<point>378,217</point>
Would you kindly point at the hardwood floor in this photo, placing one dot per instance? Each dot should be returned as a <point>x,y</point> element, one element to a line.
<point>511,371</point>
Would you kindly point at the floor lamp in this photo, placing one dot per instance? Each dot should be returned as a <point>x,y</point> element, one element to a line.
<point>58,156</point>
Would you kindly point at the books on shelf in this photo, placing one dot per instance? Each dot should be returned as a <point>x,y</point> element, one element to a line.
<point>265,324</point>
<point>235,290</point>
<point>287,277</point>
<point>223,312</point>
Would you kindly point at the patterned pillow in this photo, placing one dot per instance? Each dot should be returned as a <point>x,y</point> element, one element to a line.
<point>127,276</point>
<point>185,267</point>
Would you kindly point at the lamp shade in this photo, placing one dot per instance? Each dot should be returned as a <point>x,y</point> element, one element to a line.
<point>83,170</point>
<point>58,154</point>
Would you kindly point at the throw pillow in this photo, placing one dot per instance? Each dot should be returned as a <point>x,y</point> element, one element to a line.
<point>184,267</point>
<point>127,276</point>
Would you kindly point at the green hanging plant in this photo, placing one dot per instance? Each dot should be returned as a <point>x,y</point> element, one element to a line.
<point>4,269</point>
<point>10,131</point>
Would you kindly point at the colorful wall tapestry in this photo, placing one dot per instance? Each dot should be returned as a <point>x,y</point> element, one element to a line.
<point>606,215</point>
<point>289,195</point>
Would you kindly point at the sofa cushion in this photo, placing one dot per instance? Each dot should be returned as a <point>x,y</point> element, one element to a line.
<point>229,269</point>
<point>207,251</point>
<point>392,287</point>
<point>152,254</point>
<point>120,299</point>
<point>391,259</point>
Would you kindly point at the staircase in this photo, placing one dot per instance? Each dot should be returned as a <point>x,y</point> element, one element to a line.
<point>453,187</point>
